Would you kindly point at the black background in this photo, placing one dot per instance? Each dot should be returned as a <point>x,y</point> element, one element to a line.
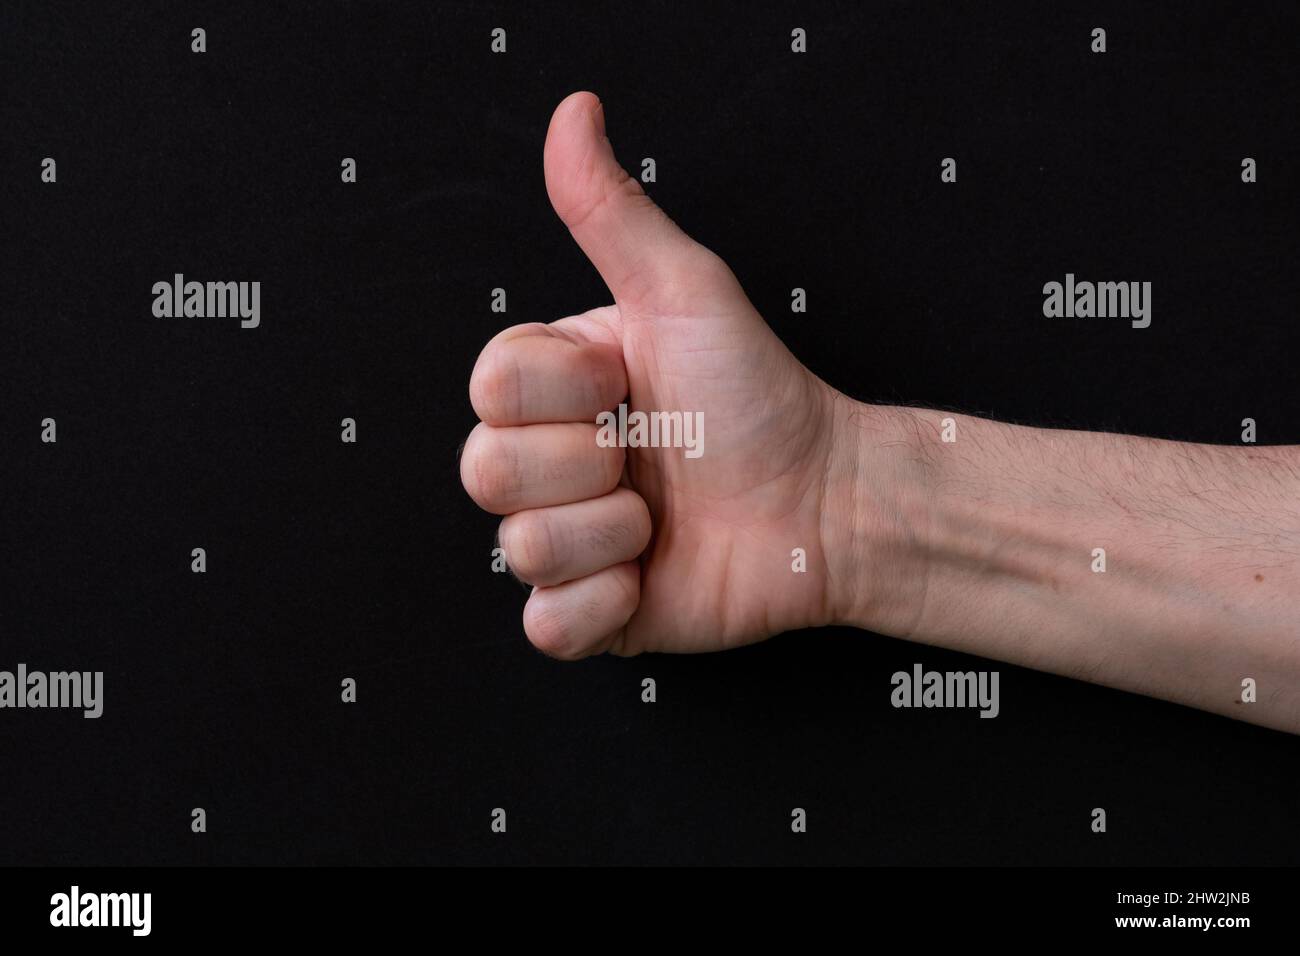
<point>328,560</point>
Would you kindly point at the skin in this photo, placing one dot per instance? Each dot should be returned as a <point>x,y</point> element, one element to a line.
<point>984,544</point>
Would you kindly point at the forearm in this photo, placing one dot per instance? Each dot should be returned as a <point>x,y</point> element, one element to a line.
<point>987,544</point>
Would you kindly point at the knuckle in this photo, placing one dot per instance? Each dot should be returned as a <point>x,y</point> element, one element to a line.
<point>508,537</point>
<point>490,470</point>
<point>549,631</point>
<point>531,546</point>
<point>495,386</point>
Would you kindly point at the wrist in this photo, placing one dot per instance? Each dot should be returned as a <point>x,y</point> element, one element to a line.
<point>875,520</point>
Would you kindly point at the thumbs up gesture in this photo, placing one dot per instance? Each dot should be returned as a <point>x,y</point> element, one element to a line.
<point>632,547</point>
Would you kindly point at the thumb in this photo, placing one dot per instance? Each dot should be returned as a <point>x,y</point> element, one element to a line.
<point>633,245</point>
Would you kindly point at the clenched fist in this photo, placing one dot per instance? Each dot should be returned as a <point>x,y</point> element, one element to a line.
<point>645,548</point>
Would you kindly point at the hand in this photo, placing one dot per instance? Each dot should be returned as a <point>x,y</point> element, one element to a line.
<point>987,543</point>
<point>650,550</point>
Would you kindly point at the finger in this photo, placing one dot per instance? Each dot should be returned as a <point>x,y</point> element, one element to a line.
<point>629,240</point>
<point>534,466</point>
<point>580,618</point>
<point>547,546</point>
<point>533,373</point>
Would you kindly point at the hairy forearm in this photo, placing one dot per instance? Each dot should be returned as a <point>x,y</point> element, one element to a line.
<point>992,544</point>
